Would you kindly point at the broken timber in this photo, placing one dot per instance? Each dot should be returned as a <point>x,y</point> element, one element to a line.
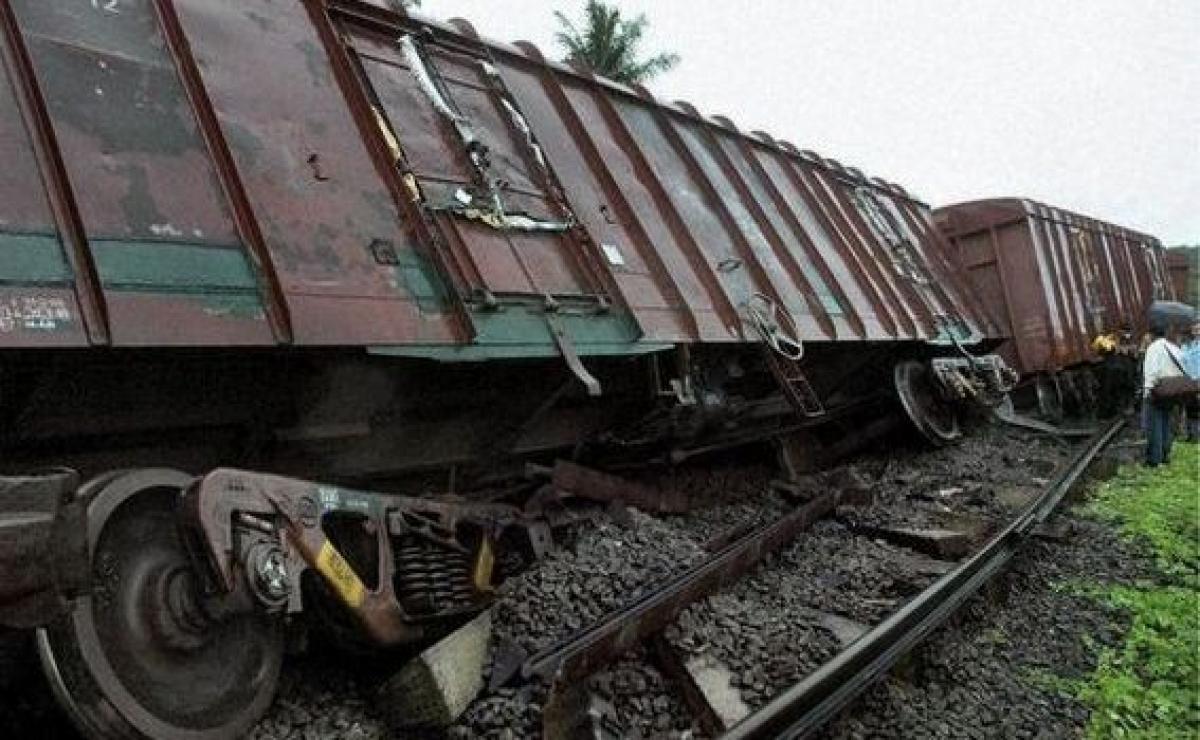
<point>592,647</point>
<point>434,689</point>
<point>706,685</point>
<point>945,544</point>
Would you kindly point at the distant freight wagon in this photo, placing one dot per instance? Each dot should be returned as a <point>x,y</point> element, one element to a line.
<point>1055,280</point>
<point>1183,266</point>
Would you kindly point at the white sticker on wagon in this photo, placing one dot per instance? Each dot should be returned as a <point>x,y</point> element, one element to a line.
<point>33,313</point>
<point>613,254</point>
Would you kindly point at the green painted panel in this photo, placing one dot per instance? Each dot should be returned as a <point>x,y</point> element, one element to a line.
<point>32,258</point>
<point>523,325</point>
<point>522,331</point>
<point>423,282</point>
<point>134,265</point>
<point>478,353</point>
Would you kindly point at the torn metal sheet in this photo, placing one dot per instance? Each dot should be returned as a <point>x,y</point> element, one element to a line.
<point>416,65</point>
<point>498,219</point>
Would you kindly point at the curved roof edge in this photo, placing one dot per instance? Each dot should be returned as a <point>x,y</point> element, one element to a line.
<point>973,215</point>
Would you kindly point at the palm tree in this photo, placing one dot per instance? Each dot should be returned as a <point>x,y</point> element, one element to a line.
<point>608,44</point>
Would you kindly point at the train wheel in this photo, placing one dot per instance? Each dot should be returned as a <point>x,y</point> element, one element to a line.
<point>136,657</point>
<point>1050,400</point>
<point>1090,386</point>
<point>934,418</point>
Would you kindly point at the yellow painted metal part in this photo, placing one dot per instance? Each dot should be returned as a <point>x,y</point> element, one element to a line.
<point>341,576</point>
<point>485,561</point>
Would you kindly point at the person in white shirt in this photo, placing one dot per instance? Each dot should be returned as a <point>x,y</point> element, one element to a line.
<point>1191,365</point>
<point>1162,360</point>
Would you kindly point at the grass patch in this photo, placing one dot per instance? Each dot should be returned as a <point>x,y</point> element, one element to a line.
<point>1150,686</point>
<point>1159,507</point>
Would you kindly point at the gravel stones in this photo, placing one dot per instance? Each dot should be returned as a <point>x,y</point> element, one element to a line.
<point>646,704</point>
<point>597,569</point>
<point>318,699</point>
<point>771,628</point>
<point>504,715</point>
<point>760,630</point>
<point>985,675</point>
<point>605,567</point>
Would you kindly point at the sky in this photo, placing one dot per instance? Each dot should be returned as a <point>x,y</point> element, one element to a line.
<point>1090,105</point>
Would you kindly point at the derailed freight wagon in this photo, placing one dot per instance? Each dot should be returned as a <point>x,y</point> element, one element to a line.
<point>324,240</point>
<point>1056,281</point>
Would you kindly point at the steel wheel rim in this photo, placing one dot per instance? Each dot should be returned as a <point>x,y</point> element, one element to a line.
<point>1049,396</point>
<point>933,418</point>
<point>154,680</point>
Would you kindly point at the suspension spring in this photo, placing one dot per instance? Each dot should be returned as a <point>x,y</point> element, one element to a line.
<point>432,580</point>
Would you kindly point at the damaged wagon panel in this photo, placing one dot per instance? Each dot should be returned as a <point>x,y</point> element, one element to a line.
<point>334,172</point>
<point>488,190</point>
<point>712,216</point>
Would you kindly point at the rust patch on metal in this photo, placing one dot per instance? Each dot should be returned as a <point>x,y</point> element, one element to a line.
<point>577,480</point>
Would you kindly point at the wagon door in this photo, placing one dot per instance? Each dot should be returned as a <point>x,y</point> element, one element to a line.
<point>469,157</point>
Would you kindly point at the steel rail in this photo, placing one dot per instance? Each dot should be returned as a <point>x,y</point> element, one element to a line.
<point>582,653</point>
<point>808,705</point>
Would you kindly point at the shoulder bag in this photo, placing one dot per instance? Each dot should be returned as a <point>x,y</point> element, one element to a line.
<point>1181,388</point>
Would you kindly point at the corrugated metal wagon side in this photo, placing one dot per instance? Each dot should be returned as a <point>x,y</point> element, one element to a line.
<point>326,240</point>
<point>1183,268</point>
<point>1056,279</point>
<point>712,215</point>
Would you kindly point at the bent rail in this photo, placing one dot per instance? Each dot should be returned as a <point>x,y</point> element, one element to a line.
<point>805,707</point>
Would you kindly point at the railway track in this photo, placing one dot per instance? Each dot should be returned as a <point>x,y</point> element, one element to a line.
<point>575,661</point>
<point>680,581</point>
<point>270,404</point>
<point>806,707</point>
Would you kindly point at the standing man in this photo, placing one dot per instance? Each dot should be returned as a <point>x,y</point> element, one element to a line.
<point>1163,360</point>
<point>1191,365</point>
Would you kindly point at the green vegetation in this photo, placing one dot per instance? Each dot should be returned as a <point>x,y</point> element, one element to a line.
<point>1150,686</point>
<point>608,44</point>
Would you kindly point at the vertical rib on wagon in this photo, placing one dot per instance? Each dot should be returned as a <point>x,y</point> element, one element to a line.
<point>47,229</point>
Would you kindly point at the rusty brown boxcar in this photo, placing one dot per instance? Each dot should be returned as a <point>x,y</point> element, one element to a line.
<point>1056,281</point>
<point>1183,267</point>
<point>323,239</point>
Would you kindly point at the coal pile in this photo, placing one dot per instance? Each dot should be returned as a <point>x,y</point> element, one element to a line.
<point>720,498</point>
<point>978,484</point>
<point>855,577</point>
